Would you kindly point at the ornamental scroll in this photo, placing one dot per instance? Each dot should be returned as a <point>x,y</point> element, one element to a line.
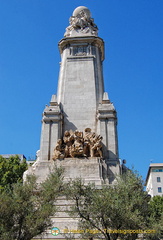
<point>77,144</point>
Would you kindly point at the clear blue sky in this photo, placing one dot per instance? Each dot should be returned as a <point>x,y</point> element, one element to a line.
<point>133,71</point>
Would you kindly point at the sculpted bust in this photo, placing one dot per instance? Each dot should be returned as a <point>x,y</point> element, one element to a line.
<point>81,23</point>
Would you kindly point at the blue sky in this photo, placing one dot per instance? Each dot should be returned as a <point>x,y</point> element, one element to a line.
<point>133,71</point>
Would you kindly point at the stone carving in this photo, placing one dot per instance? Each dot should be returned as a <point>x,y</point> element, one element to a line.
<point>59,150</point>
<point>80,51</point>
<point>77,144</point>
<point>77,147</point>
<point>81,22</point>
<point>96,148</point>
<point>88,141</point>
<point>68,141</point>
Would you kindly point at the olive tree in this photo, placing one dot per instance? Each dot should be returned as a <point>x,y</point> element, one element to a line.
<point>25,210</point>
<point>110,211</point>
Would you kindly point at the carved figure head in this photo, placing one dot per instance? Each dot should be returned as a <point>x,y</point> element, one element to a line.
<point>87,130</point>
<point>67,134</point>
<point>76,132</point>
<point>59,141</point>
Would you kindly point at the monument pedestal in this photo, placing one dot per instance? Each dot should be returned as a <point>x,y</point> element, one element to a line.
<point>91,170</point>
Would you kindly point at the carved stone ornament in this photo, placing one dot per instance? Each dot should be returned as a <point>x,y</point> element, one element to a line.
<point>59,150</point>
<point>78,144</point>
<point>81,23</point>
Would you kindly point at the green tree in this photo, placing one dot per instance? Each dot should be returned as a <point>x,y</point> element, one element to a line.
<point>122,206</point>
<point>156,217</point>
<point>26,209</point>
<point>11,171</point>
<point>156,207</point>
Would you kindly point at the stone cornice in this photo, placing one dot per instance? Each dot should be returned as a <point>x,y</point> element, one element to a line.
<point>94,41</point>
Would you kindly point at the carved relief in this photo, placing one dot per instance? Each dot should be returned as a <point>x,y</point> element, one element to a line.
<point>77,144</point>
<point>80,51</point>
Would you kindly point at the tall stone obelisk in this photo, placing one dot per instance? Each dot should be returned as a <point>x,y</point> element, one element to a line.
<point>80,125</point>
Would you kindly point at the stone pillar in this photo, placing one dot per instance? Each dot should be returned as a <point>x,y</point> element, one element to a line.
<point>51,129</point>
<point>107,127</point>
<point>80,85</point>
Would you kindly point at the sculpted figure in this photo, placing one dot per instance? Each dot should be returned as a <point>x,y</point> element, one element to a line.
<point>68,141</point>
<point>58,151</point>
<point>77,147</point>
<point>34,165</point>
<point>87,141</point>
<point>81,21</point>
<point>96,148</point>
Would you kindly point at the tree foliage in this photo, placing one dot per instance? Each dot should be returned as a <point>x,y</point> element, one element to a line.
<point>156,217</point>
<point>26,209</point>
<point>11,171</point>
<point>156,207</point>
<point>122,206</point>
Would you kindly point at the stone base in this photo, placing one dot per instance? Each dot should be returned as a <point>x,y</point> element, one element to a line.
<point>91,170</point>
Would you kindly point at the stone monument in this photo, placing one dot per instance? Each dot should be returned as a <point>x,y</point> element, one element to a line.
<point>79,127</point>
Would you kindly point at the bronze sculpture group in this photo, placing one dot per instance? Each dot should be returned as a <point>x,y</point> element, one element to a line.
<point>76,144</point>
